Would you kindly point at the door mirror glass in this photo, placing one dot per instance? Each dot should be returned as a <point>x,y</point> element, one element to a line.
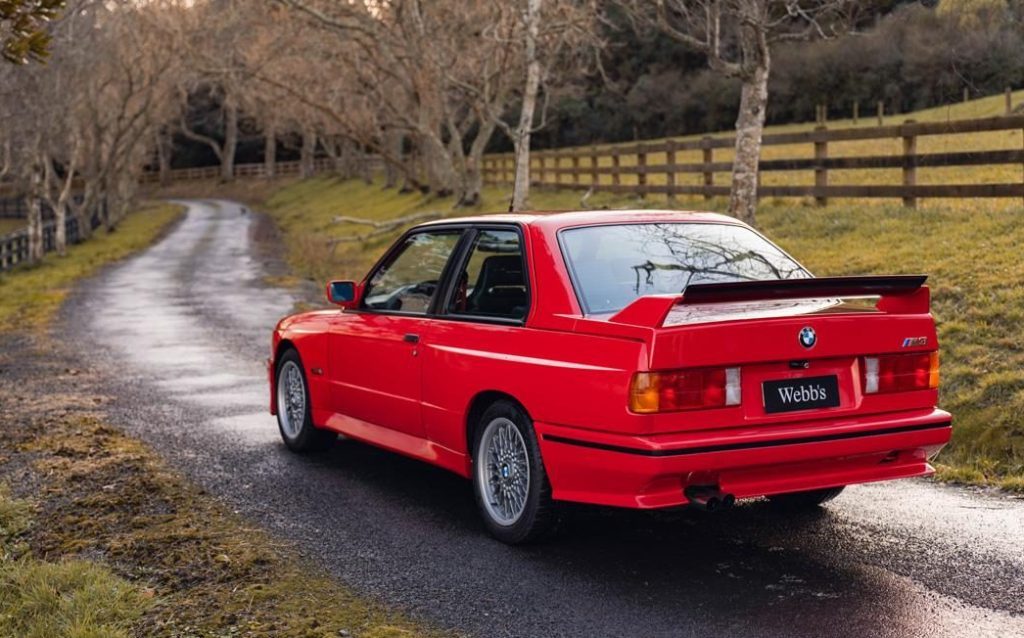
<point>343,293</point>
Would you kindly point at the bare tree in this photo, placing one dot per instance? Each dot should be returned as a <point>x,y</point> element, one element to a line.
<point>737,37</point>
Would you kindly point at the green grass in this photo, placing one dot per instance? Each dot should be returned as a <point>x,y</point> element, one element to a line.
<point>30,295</point>
<point>977,280</point>
<point>74,599</point>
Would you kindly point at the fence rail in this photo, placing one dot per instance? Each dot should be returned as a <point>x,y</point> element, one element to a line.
<point>281,169</point>
<point>14,246</point>
<point>603,168</point>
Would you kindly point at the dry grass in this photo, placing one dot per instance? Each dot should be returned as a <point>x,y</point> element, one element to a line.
<point>124,536</point>
<point>74,598</point>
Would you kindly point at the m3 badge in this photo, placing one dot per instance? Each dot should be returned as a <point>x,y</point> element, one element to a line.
<point>915,342</point>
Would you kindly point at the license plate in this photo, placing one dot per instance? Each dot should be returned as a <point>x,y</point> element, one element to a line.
<point>806,393</point>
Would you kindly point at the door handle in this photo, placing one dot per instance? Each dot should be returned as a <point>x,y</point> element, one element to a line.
<point>411,338</point>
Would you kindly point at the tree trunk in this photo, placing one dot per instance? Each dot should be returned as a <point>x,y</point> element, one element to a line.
<point>749,130</point>
<point>164,148</point>
<point>521,185</point>
<point>270,153</point>
<point>307,157</point>
<point>395,142</point>
<point>437,164</point>
<point>364,166</point>
<point>474,164</point>
<point>227,160</point>
<point>35,216</point>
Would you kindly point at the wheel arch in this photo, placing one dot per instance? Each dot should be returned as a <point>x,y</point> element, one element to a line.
<point>283,346</point>
<point>478,405</point>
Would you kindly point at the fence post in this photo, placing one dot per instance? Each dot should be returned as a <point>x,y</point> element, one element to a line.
<point>820,171</point>
<point>881,113</point>
<point>909,166</point>
<point>595,178</point>
<point>616,169</point>
<point>1009,100</point>
<point>709,157</point>
<point>542,173</point>
<point>967,94</point>
<point>641,169</point>
<point>576,167</point>
<point>670,170</point>
<point>856,111</point>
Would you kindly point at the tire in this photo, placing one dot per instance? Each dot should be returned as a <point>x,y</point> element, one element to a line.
<point>796,501</point>
<point>522,513</point>
<point>296,425</point>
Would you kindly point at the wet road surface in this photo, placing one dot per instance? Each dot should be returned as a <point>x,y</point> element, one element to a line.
<point>183,329</point>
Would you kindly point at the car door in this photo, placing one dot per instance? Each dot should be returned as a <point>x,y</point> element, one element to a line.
<point>478,334</point>
<point>375,368</point>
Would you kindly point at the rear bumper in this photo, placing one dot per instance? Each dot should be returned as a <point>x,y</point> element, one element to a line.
<point>649,472</point>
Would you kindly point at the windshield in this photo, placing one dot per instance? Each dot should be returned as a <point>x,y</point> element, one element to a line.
<point>613,265</point>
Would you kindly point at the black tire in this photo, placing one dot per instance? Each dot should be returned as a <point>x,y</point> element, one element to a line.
<point>539,515</point>
<point>796,501</point>
<point>307,437</point>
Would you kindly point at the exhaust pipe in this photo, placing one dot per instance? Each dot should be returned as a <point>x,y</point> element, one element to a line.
<point>708,498</point>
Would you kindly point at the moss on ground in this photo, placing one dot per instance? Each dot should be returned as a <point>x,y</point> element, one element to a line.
<point>124,536</point>
<point>30,295</point>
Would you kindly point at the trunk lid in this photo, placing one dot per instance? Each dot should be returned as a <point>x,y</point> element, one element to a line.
<point>763,328</point>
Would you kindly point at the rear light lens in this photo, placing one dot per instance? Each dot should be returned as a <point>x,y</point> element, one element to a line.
<point>695,389</point>
<point>900,372</point>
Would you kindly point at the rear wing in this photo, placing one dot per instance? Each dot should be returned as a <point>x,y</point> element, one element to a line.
<point>898,294</point>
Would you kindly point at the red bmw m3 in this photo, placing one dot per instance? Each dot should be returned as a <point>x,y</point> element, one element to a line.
<point>641,359</point>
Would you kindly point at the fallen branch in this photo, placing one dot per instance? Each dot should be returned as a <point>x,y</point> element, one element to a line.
<point>389,224</point>
<point>380,227</point>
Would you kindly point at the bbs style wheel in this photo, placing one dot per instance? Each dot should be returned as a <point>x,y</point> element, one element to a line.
<point>509,480</point>
<point>294,415</point>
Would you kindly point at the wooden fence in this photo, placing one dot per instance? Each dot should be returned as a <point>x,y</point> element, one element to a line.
<point>281,169</point>
<point>14,246</point>
<point>628,168</point>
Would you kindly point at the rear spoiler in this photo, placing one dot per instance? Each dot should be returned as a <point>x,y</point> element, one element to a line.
<point>899,294</point>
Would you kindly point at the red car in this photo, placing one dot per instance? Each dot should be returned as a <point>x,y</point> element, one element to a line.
<point>641,359</point>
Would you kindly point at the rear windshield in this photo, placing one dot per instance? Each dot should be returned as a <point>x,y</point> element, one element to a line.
<point>613,265</point>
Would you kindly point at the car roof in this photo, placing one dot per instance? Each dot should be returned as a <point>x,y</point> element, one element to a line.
<point>555,220</point>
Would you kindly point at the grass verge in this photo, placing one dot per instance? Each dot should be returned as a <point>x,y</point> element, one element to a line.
<point>977,280</point>
<point>102,540</point>
<point>111,542</point>
<point>30,295</point>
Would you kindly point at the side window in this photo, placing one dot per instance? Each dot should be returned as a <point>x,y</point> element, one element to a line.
<point>493,282</point>
<point>409,280</point>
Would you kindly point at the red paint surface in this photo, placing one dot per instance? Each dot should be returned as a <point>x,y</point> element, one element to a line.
<point>572,374</point>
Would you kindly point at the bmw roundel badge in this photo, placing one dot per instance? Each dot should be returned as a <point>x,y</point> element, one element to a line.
<point>807,337</point>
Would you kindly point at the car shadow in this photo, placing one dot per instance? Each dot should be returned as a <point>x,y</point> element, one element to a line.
<point>670,568</point>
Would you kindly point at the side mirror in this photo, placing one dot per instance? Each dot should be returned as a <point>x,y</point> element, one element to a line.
<point>343,293</point>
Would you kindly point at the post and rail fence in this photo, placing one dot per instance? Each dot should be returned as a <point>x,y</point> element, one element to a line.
<point>633,169</point>
<point>609,168</point>
<point>14,246</point>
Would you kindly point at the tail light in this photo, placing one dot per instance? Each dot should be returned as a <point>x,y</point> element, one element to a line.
<point>900,372</point>
<point>677,390</point>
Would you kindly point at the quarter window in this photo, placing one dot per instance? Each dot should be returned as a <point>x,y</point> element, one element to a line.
<point>409,280</point>
<point>493,281</point>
